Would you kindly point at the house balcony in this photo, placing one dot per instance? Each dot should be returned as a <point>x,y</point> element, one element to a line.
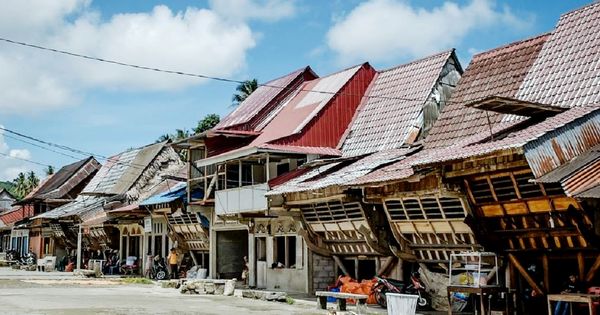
<point>241,199</point>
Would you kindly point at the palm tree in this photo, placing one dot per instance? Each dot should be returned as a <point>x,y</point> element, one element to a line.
<point>244,90</point>
<point>32,181</point>
<point>20,185</point>
<point>50,170</point>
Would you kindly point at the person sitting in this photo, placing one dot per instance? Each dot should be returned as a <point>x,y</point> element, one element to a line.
<point>571,286</point>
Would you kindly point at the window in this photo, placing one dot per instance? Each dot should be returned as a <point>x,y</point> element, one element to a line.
<point>286,252</point>
<point>233,176</point>
<point>283,168</point>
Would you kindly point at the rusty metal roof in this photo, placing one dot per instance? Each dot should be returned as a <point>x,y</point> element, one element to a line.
<point>262,98</point>
<point>498,72</point>
<point>572,167</point>
<point>63,181</point>
<point>384,123</point>
<point>577,175</point>
<point>565,72</point>
<point>339,172</point>
<point>593,192</point>
<point>583,118</point>
<point>120,171</point>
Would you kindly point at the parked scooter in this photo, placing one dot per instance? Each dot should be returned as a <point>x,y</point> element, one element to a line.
<point>414,287</point>
<point>159,268</point>
<point>30,259</point>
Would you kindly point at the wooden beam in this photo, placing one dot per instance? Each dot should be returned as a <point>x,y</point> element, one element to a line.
<point>389,262</point>
<point>592,272</point>
<point>366,233</point>
<point>581,265</point>
<point>312,246</point>
<point>338,261</point>
<point>546,270</point>
<point>525,275</point>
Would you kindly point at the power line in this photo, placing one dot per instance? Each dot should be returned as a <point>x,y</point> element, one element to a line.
<point>39,146</point>
<point>195,75</point>
<point>70,149</point>
<point>22,159</point>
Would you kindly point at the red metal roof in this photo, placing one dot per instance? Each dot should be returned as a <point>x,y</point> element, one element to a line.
<point>497,72</point>
<point>385,122</point>
<point>311,118</point>
<point>257,106</point>
<point>567,68</point>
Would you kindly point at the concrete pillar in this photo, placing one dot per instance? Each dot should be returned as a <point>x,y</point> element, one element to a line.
<point>251,260</point>
<point>212,265</point>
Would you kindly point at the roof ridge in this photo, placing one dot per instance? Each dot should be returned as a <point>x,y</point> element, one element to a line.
<point>448,51</point>
<point>295,72</point>
<point>501,50</point>
<point>577,10</point>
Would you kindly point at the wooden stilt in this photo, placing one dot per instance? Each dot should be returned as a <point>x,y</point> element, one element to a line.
<point>581,265</point>
<point>592,272</point>
<point>546,272</point>
<point>338,261</point>
<point>525,275</point>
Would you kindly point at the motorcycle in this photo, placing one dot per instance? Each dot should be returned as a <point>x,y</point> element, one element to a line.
<point>415,287</point>
<point>159,268</point>
<point>30,259</point>
<point>13,256</point>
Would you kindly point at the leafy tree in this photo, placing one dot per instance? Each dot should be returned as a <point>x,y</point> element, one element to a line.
<point>208,122</point>
<point>50,170</point>
<point>243,91</point>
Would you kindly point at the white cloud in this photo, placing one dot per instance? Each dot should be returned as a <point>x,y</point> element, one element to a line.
<point>211,41</point>
<point>11,166</point>
<point>266,10</point>
<point>387,29</point>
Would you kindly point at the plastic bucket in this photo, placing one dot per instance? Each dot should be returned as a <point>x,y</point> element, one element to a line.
<point>201,273</point>
<point>401,304</point>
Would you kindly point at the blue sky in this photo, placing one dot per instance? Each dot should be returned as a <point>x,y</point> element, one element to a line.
<point>106,109</point>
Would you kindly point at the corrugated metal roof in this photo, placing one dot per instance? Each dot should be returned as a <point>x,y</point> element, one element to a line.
<point>566,69</point>
<point>498,72</point>
<point>384,123</point>
<point>305,106</point>
<point>120,171</point>
<point>517,139</point>
<point>593,192</point>
<point>339,173</point>
<point>261,99</point>
<point>67,178</point>
<point>477,145</point>
<point>81,205</point>
<point>572,167</point>
<point>174,193</point>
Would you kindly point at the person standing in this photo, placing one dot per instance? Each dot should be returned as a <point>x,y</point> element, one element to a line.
<point>571,286</point>
<point>173,259</point>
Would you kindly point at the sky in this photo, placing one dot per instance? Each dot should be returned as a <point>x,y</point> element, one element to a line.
<point>105,109</point>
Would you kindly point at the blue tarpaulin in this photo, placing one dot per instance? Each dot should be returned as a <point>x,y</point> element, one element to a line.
<point>176,192</point>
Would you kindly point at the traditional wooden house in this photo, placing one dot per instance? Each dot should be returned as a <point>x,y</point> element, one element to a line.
<point>500,167</point>
<point>285,123</point>
<point>122,180</point>
<point>394,117</point>
<point>57,189</point>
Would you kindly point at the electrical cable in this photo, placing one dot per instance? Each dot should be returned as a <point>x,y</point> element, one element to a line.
<point>201,76</point>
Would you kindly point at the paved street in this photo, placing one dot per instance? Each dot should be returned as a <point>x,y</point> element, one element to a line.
<point>24,292</point>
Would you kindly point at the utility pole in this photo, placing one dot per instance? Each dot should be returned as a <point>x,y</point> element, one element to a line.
<point>79,248</point>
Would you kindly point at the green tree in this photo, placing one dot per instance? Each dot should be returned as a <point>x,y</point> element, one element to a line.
<point>208,122</point>
<point>32,181</point>
<point>20,185</point>
<point>243,91</point>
